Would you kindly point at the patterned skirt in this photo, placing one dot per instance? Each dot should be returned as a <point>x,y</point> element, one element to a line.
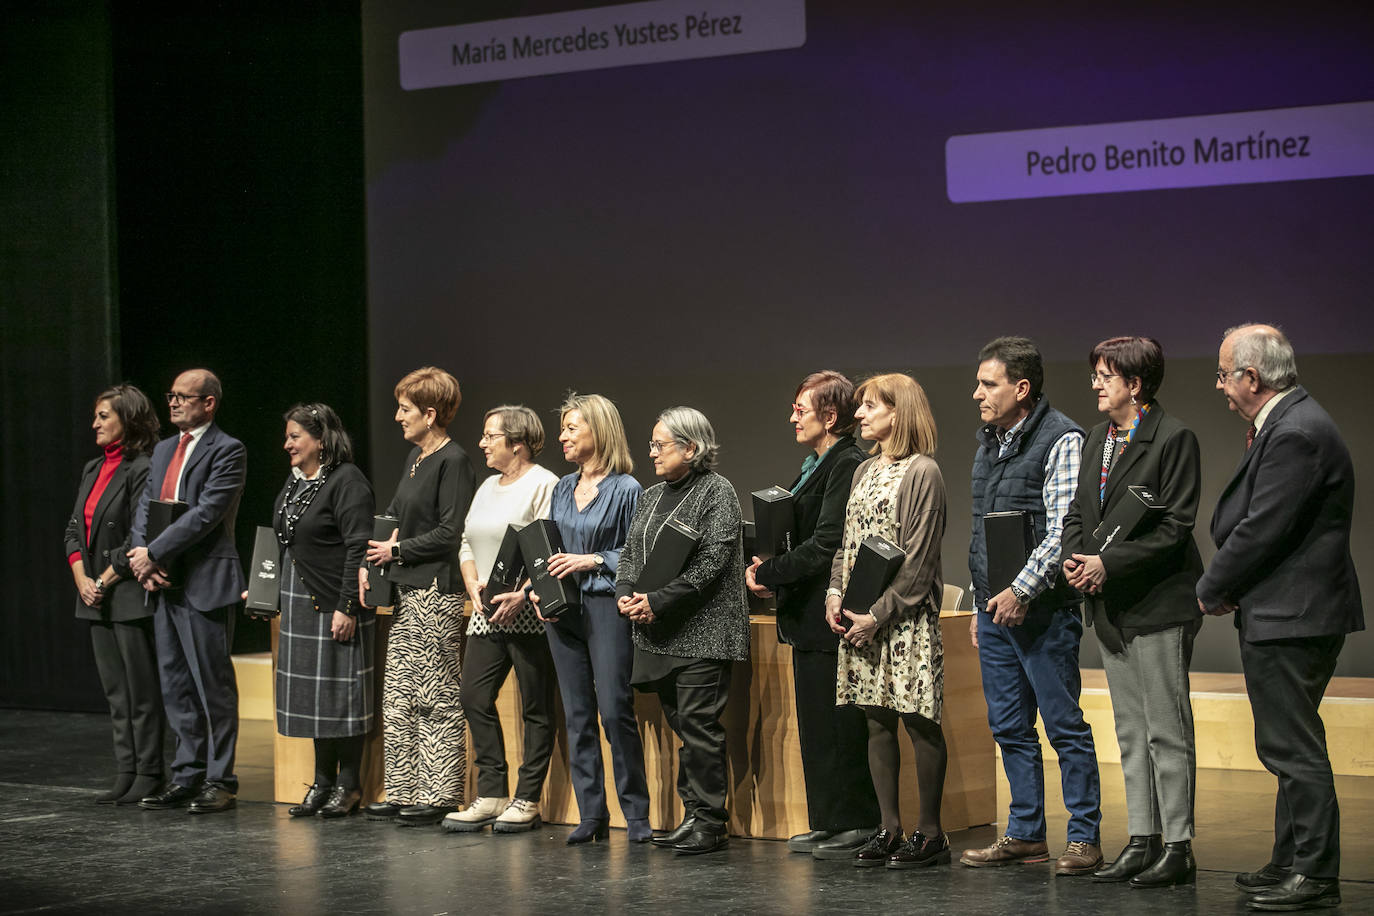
<point>902,669</point>
<point>324,687</point>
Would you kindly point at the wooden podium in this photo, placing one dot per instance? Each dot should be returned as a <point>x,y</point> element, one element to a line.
<point>768,797</point>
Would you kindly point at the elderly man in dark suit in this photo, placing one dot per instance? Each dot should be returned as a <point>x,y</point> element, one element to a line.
<point>1283,566</point>
<point>205,468</point>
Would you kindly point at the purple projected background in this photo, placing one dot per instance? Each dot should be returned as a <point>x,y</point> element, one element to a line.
<point>708,231</point>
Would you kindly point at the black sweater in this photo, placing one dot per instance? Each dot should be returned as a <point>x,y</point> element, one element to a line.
<point>331,537</point>
<point>432,507</point>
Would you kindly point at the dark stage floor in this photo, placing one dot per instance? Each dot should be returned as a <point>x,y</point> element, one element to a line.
<point>59,853</point>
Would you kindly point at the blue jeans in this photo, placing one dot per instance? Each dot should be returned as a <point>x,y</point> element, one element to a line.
<point>1034,668</point>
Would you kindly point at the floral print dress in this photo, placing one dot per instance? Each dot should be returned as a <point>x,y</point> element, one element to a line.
<point>903,667</point>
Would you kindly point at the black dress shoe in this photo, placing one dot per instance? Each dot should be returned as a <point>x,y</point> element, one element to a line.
<point>1175,866</point>
<point>315,797</point>
<point>806,842</point>
<point>677,834</point>
<point>172,796</point>
<point>703,838</point>
<point>1254,881</point>
<point>342,802</point>
<point>1298,892</point>
<point>213,798</point>
<point>1140,853</point>
<point>121,785</point>
<point>421,815</point>
<point>921,851</point>
<point>879,848</point>
<point>381,811</point>
<point>842,846</point>
<point>143,787</point>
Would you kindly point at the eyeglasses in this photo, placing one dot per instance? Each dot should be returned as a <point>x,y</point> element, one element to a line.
<point>656,447</point>
<point>1222,374</point>
<point>490,438</point>
<point>176,397</point>
<point>1100,378</point>
<point>801,411</point>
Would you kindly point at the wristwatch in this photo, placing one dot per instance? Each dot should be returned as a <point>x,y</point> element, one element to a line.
<point>1021,594</point>
<point>599,560</point>
<point>834,593</point>
<point>396,552</point>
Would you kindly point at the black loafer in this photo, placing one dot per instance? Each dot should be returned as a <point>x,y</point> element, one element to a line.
<point>315,797</point>
<point>342,802</point>
<point>212,799</point>
<point>172,796</point>
<point>1298,892</point>
<point>702,839</point>
<point>381,811</point>
<point>842,846</point>
<point>421,815</point>
<point>806,842</point>
<point>677,834</point>
<point>1253,882</point>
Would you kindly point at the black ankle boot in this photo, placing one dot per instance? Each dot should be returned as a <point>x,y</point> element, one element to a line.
<point>1140,853</point>
<point>1176,866</point>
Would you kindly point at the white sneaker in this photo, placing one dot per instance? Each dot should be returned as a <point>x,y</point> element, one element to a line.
<point>475,816</point>
<point>520,815</point>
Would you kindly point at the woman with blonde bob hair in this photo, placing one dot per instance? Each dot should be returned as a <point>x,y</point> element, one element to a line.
<point>891,661</point>
<point>425,736</point>
<point>592,651</point>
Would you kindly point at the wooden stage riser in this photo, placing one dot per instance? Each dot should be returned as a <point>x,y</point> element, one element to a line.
<point>768,797</point>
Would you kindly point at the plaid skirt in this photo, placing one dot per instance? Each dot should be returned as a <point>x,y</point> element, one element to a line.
<point>324,687</point>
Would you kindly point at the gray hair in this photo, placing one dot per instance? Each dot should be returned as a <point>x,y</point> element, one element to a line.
<point>1266,350</point>
<point>690,428</point>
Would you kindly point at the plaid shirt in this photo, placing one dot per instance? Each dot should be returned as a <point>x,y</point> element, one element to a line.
<point>1061,482</point>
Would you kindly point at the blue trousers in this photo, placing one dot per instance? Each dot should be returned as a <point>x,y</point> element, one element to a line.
<point>1033,669</point>
<point>593,654</point>
<point>199,691</point>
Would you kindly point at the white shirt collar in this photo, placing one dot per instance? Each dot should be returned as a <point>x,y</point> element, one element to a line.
<point>1269,407</point>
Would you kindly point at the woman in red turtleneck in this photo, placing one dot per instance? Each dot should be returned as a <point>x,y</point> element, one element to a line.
<point>126,427</point>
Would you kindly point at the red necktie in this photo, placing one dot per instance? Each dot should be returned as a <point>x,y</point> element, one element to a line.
<point>1250,437</point>
<point>169,482</point>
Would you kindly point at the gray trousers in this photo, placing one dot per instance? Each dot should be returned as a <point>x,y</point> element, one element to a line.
<point>1148,680</point>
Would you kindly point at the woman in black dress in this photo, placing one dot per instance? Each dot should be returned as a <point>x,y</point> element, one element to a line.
<point>323,519</point>
<point>110,598</point>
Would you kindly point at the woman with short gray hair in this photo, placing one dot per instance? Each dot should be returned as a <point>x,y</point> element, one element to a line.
<point>689,630</point>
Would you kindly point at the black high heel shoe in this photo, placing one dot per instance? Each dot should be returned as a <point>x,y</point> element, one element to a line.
<point>1175,866</point>
<point>587,831</point>
<point>314,800</point>
<point>1140,853</point>
<point>342,802</point>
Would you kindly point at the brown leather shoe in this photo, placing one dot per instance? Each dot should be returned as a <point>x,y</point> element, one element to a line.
<point>1079,859</point>
<point>1006,851</point>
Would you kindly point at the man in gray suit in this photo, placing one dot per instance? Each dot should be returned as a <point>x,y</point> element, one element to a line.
<point>1283,566</point>
<point>205,468</point>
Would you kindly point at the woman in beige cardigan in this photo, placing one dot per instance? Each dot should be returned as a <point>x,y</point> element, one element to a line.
<point>891,660</point>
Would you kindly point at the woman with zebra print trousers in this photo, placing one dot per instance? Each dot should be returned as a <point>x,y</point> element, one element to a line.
<point>424,733</point>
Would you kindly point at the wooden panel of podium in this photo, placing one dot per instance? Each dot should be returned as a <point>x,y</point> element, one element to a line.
<point>768,796</point>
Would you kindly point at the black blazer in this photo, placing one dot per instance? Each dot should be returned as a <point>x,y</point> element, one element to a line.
<point>1151,576</point>
<point>800,576</point>
<point>1282,530</point>
<point>110,541</point>
<point>331,537</point>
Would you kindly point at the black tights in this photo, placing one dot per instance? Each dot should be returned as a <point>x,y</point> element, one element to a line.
<point>341,755</point>
<point>885,761</point>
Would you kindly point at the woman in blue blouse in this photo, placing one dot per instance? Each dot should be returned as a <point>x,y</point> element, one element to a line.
<point>591,647</point>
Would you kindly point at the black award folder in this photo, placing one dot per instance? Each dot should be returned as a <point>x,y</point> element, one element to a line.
<point>775,522</point>
<point>380,588</point>
<point>506,570</point>
<point>264,576</point>
<point>668,557</point>
<point>1126,516</point>
<point>757,605</point>
<point>1010,540</point>
<point>538,541</point>
<point>874,569</point>
<point>162,514</point>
